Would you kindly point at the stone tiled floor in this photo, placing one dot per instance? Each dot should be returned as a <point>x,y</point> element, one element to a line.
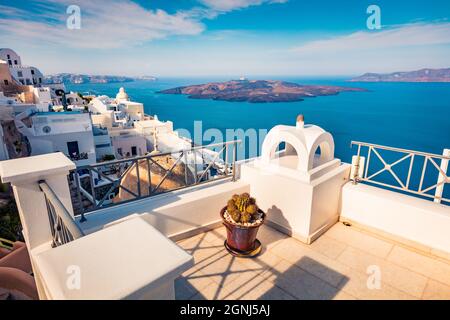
<point>341,264</point>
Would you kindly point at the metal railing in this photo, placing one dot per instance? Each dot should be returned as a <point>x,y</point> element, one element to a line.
<point>417,164</point>
<point>62,225</point>
<point>108,183</point>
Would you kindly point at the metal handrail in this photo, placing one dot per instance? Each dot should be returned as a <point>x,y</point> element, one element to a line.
<point>121,167</point>
<point>196,148</point>
<point>419,153</point>
<point>403,184</point>
<point>62,225</point>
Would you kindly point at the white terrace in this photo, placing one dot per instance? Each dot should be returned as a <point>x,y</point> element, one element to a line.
<point>392,246</point>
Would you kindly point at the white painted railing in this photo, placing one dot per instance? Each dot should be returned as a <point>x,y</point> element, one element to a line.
<point>361,170</point>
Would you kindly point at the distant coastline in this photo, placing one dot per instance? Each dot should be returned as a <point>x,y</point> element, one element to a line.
<point>86,79</point>
<point>257,91</point>
<point>422,75</point>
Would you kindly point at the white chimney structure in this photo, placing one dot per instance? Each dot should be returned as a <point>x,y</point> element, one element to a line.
<point>305,170</point>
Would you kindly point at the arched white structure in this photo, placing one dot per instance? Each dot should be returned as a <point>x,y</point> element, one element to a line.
<point>11,57</point>
<point>297,187</point>
<point>302,141</point>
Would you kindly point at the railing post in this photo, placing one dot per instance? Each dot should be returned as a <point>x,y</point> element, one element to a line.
<point>355,165</point>
<point>94,197</point>
<point>226,159</point>
<point>138,178</point>
<point>24,174</point>
<point>149,173</point>
<point>441,177</point>
<point>234,160</point>
<point>76,177</point>
<point>186,168</point>
<point>195,167</point>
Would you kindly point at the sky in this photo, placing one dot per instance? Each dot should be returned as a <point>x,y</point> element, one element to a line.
<point>190,38</point>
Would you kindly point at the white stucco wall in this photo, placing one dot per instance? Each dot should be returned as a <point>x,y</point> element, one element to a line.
<point>408,217</point>
<point>176,214</point>
<point>303,209</point>
<point>126,142</point>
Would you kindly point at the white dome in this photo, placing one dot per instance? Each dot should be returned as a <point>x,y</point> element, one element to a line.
<point>301,141</point>
<point>122,95</point>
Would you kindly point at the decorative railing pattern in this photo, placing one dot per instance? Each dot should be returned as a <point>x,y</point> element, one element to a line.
<point>62,225</point>
<point>101,185</point>
<point>417,164</point>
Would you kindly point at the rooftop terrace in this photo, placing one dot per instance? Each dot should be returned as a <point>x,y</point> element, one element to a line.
<point>330,231</point>
<point>335,266</point>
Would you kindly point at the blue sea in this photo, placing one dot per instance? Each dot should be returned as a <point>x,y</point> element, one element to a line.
<point>406,115</point>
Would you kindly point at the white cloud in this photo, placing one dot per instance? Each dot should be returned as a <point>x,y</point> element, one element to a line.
<point>419,34</point>
<point>229,5</point>
<point>109,24</point>
<point>104,24</point>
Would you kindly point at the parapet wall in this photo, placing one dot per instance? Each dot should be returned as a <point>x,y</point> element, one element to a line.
<point>417,222</point>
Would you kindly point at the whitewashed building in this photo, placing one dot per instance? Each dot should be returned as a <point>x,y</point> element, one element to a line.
<point>66,132</point>
<point>25,75</point>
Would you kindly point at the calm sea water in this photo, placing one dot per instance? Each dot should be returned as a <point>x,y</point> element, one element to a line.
<point>405,115</point>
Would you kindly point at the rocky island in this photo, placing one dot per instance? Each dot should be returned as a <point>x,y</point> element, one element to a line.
<point>423,75</point>
<point>257,91</point>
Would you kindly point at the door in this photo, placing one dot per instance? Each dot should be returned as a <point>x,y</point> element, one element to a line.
<point>72,148</point>
<point>134,151</point>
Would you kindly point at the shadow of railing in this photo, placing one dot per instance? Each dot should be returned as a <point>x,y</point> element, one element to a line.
<point>299,281</point>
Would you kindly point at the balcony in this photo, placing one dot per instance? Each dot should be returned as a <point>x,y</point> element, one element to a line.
<point>79,156</point>
<point>329,233</point>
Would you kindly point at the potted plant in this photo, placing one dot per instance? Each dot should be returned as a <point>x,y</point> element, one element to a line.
<point>242,219</point>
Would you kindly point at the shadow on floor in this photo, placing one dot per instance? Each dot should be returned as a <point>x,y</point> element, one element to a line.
<point>302,280</point>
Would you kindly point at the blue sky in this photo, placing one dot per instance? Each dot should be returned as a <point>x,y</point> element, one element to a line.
<point>227,37</point>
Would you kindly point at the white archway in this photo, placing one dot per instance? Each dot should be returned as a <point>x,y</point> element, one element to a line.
<point>302,141</point>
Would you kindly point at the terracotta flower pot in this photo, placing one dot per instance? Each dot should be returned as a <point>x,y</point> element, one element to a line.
<point>241,238</point>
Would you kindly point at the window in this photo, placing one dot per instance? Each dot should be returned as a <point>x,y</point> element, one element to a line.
<point>72,148</point>
<point>20,74</point>
<point>21,81</point>
<point>32,71</point>
<point>15,62</point>
<point>9,62</point>
<point>40,80</point>
<point>119,151</point>
<point>9,56</point>
<point>134,151</point>
<point>28,82</point>
<point>104,145</point>
<point>6,82</point>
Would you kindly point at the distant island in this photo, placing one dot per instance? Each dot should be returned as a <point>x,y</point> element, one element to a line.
<point>84,78</point>
<point>423,75</point>
<point>257,91</point>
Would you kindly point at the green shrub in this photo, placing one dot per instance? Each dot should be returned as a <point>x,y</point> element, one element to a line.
<point>108,157</point>
<point>4,188</point>
<point>10,227</point>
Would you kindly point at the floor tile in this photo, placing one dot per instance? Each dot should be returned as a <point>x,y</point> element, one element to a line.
<point>391,274</point>
<point>261,289</point>
<point>436,291</point>
<point>214,292</point>
<point>311,261</point>
<point>357,285</point>
<point>429,267</point>
<point>360,240</point>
